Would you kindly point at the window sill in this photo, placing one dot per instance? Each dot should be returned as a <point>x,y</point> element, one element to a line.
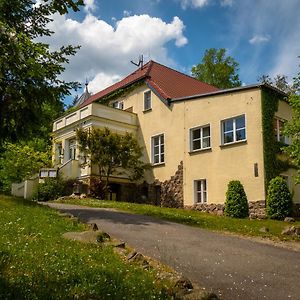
<point>233,144</point>
<point>200,150</point>
<point>147,110</point>
<point>158,165</point>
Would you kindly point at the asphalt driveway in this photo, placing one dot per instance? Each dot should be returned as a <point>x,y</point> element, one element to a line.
<point>234,268</point>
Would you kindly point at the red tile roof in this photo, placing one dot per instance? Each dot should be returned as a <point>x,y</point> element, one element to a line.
<point>168,83</point>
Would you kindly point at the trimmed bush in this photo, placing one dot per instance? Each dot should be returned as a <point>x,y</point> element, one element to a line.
<point>279,199</point>
<point>236,204</point>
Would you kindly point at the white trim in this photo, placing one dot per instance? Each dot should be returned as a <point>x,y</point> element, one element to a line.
<point>233,129</point>
<point>201,138</point>
<point>159,149</point>
<point>202,191</point>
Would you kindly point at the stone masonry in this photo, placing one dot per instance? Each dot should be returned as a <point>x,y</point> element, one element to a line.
<point>172,190</point>
<point>256,209</point>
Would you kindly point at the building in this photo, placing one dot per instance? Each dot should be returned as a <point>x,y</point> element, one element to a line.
<point>196,137</point>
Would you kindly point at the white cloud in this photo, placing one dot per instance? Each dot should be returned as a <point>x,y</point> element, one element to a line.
<point>193,3</point>
<point>101,81</point>
<point>89,5</point>
<point>227,2</point>
<point>258,39</point>
<point>106,50</point>
<point>126,13</point>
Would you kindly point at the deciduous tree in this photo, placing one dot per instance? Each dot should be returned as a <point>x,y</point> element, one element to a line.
<point>217,69</point>
<point>20,161</point>
<point>114,154</point>
<point>30,82</point>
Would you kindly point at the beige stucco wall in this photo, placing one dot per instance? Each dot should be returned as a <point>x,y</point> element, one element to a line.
<point>219,165</point>
<point>229,162</point>
<point>161,119</point>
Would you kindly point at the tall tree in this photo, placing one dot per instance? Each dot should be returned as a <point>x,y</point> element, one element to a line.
<point>217,69</point>
<point>30,84</point>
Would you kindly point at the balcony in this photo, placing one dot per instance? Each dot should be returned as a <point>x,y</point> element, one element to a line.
<point>102,116</point>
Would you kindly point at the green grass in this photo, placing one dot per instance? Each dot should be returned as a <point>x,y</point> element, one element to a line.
<point>37,263</point>
<point>195,218</point>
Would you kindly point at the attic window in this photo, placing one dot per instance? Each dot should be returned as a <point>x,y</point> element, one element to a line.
<point>118,104</point>
<point>147,101</point>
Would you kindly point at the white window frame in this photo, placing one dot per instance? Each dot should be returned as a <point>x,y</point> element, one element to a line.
<point>72,149</point>
<point>280,137</point>
<point>234,130</point>
<point>201,138</point>
<point>202,192</point>
<point>147,101</point>
<point>161,153</point>
<point>118,105</point>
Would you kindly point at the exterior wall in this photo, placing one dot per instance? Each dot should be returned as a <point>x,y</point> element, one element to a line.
<point>225,162</point>
<point>161,119</point>
<point>26,188</point>
<point>218,165</point>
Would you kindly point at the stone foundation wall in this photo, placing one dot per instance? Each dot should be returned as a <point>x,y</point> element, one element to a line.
<point>256,209</point>
<point>172,190</point>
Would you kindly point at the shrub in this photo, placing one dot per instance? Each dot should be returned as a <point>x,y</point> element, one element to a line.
<point>53,188</point>
<point>236,204</point>
<point>279,199</point>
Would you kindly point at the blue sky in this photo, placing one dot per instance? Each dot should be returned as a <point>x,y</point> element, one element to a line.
<point>262,36</point>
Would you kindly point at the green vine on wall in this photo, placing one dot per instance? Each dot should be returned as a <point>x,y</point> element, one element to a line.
<point>121,92</point>
<point>275,160</point>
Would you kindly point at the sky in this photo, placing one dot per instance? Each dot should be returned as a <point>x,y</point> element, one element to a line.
<point>263,36</point>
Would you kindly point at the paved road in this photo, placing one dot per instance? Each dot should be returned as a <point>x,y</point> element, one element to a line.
<point>232,267</point>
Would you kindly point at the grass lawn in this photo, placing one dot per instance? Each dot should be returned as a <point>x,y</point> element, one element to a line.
<point>195,218</point>
<point>37,263</point>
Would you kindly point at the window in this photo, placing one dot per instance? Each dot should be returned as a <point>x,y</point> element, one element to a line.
<point>72,149</point>
<point>278,131</point>
<point>158,149</point>
<point>200,138</point>
<point>200,187</point>
<point>118,104</point>
<point>147,100</point>
<point>234,130</point>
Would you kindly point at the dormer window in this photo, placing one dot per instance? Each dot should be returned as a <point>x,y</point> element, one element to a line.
<point>147,101</point>
<point>118,104</point>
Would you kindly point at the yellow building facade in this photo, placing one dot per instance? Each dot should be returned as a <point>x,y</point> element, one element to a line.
<point>195,144</point>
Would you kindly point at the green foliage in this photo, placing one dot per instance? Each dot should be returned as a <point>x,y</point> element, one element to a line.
<point>114,154</point>
<point>56,268</point>
<point>53,188</point>
<point>217,69</point>
<point>22,160</point>
<point>236,204</point>
<point>275,160</point>
<point>292,129</point>
<point>31,88</point>
<point>279,199</point>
